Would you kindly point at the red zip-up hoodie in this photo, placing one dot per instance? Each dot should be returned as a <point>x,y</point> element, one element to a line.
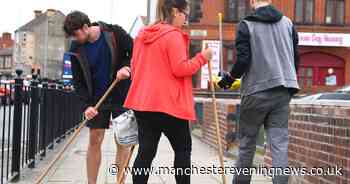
<point>161,72</point>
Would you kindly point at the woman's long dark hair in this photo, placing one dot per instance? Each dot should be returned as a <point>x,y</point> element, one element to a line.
<point>165,9</point>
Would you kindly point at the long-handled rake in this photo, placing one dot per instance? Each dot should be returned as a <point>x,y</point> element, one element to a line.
<point>217,125</point>
<point>121,178</point>
<point>221,157</point>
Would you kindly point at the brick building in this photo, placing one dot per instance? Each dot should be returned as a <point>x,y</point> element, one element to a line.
<point>6,55</point>
<point>323,26</point>
<point>6,41</point>
<point>6,63</point>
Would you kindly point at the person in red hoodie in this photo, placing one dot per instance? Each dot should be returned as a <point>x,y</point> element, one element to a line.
<point>161,89</point>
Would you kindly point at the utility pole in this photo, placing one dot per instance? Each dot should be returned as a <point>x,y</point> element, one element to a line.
<point>148,11</point>
<point>111,11</point>
<point>46,47</point>
<point>221,43</point>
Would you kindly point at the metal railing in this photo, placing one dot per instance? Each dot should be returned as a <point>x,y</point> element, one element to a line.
<point>33,120</point>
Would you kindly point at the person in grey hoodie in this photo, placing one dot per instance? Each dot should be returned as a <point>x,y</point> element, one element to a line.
<point>267,60</point>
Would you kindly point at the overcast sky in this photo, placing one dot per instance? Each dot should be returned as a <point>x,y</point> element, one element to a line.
<point>15,13</point>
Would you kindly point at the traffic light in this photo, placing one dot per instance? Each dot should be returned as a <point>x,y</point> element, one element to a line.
<point>196,12</point>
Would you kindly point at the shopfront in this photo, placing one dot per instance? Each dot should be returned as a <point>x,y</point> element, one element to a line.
<point>324,61</point>
<point>321,69</point>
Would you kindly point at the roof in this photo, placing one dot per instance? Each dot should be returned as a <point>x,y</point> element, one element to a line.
<point>6,52</point>
<point>36,21</point>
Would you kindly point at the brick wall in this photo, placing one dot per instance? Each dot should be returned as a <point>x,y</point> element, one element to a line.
<point>319,137</point>
<point>208,127</point>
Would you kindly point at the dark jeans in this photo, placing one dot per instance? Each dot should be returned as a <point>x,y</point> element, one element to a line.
<point>271,109</point>
<point>151,126</point>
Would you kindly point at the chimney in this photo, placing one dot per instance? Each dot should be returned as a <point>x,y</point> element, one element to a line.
<point>37,13</point>
<point>50,12</point>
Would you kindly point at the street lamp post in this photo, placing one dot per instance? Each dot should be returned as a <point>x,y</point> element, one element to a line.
<point>112,9</point>
<point>46,48</point>
<point>148,11</point>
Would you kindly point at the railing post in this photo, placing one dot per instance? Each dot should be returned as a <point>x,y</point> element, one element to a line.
<point>64,112</point>
<point>17,127</point>
<point>52,121</point>
<point>43,119</point>
<point>71,111</point>
<point>59,111</point>
<point>33,124</point>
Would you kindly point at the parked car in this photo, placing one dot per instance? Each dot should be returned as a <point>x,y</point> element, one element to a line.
<point>325,98</point>
<point>345,89</point>
<point>6,92</point>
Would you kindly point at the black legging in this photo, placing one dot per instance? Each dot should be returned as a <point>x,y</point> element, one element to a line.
<point>151,125</point>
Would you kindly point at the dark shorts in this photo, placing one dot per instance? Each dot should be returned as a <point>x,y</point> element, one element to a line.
<point>103,119</point>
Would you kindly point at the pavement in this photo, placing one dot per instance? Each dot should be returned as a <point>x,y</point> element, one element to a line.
<point>71,169</point>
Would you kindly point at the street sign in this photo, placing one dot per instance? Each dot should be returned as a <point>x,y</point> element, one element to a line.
<point>324,39</point>
<point>199,33</point>
<point>67,68</point>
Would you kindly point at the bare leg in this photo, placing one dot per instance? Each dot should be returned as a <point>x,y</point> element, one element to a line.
<point>93,159</point>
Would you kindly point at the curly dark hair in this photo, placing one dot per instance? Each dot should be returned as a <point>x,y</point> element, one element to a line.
<point>75,21</point>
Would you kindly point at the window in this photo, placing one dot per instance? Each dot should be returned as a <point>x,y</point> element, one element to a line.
<point>195,47</point>
<point>229,55</point>
<point>2,60</point>
<point>335,12</point>
<point>8,62</point>
<point>195,11</point>
<point>229,58</point>
<point>305,77</point>
<point>304,11</point>
<point>236,10</point>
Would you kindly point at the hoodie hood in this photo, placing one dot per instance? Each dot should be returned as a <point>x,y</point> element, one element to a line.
<point>153,32</point>
<point>266,14</point>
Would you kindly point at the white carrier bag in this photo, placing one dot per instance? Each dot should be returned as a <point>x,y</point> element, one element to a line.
<point>125,129</point>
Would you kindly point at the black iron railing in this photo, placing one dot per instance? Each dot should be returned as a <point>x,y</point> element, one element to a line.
<point>33,120</point>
